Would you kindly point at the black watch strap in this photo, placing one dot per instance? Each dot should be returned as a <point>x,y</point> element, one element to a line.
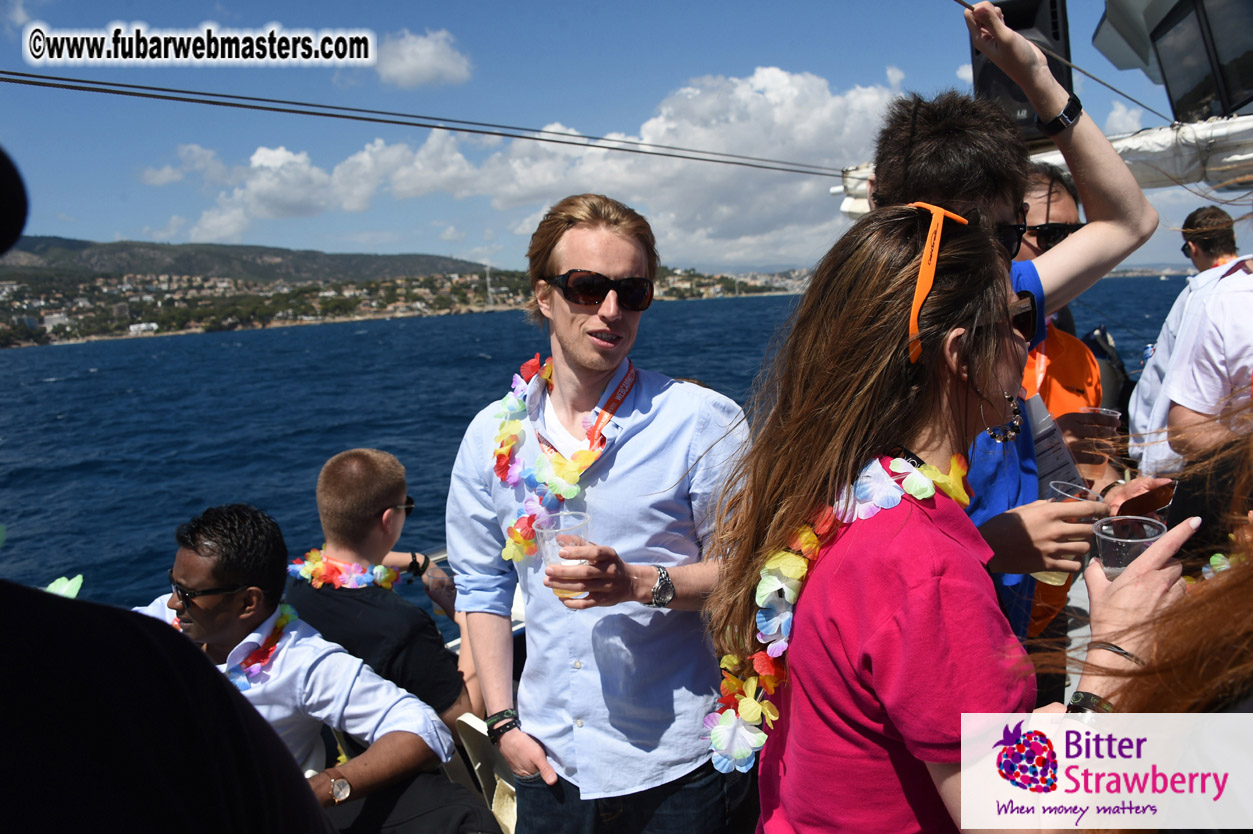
<point>1069,115</point>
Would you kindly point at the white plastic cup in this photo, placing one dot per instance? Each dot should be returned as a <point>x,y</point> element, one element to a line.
<point>559,530</point>
<point>1121,538</point>
<point>1063,492</point>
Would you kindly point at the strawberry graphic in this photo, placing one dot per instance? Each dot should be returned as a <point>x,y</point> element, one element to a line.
<point>1027,760</point>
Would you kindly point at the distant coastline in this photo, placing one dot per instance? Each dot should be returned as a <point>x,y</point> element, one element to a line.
<point>388,316</point>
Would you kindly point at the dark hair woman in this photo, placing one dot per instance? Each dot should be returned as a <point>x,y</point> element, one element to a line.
<point>855,611</point>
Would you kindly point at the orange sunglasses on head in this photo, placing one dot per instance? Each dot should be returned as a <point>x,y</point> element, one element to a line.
<point>926,270</point>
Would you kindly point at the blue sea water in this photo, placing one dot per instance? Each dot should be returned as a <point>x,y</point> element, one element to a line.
<point>106,447</point>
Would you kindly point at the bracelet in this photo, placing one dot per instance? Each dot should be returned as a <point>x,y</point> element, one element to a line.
<point>1087,702</point>
<point>414,569</point>
<point>1110,486</point>
<point>497,717</point>
<point>1119,650</point>
<point>494,734</point>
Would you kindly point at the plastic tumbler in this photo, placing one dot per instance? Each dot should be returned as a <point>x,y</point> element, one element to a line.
<point>1063,491</point>
<point>1121,538</point>
<point>556,532</point>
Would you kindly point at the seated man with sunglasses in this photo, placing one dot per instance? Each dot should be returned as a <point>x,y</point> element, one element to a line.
<point>967,155</point>
<point>619,672</point>
<point>226,584</point>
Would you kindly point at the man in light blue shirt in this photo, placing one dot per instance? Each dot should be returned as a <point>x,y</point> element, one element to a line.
<point>608,722</point>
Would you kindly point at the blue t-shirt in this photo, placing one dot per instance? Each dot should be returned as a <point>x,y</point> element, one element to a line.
<point>1004,475</point>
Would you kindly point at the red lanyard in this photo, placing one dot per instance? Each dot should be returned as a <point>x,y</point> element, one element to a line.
<point>596,440</point>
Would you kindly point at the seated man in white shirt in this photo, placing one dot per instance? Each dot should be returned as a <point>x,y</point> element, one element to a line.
<point>227,580</point>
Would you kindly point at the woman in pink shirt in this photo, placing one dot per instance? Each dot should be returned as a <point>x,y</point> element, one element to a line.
<point>854,609</point>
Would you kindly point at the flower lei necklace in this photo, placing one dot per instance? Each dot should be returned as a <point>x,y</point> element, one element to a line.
<point>553,478</point>
<point>319,570</point>
<point>257,659</point>
<point>735,732</point>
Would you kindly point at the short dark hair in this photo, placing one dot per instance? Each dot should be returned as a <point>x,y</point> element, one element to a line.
<point>952,150</point>
<point>354,488</point>
<point>1210,229</point>
<point>1049,175</point>
<point>245,544</point>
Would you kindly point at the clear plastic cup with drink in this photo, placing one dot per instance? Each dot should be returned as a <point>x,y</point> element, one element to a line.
<point>558,530</point>
<point>1094,470</point>
<point>1064,492</point>
<point>1121,538</point>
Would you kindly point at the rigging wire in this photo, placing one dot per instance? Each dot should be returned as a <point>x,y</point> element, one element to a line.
<point>336,107</point>
<point>1050,53</point>
<point>354,114</point>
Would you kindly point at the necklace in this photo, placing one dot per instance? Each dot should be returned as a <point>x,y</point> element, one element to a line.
<point>319,570</point>
<point>735,727</point>
<point>241,673</point>
<point>554,478</point>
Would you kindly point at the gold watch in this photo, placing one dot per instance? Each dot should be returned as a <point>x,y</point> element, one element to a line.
<point>341,789</point>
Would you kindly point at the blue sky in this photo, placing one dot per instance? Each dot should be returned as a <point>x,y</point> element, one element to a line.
<point>805,81</point>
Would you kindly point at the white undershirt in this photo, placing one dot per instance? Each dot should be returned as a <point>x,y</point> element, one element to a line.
<point>556,434</point>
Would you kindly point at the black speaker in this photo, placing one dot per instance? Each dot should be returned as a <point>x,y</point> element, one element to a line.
<point>1043,22</point>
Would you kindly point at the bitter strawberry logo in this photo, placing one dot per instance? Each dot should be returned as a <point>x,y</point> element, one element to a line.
<point>1027,760</point>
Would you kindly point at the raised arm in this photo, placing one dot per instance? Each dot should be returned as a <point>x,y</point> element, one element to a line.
<point>1120,219</point>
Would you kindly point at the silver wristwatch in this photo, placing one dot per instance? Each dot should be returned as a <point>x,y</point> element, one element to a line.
<point>663,591</point>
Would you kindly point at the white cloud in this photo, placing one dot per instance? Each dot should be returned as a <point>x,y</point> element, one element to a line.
<point>168,231</point>
<point>895,76</point>
<point>409,60</point>
<point>16,15</point>
<point>1123,119</point>
<point>66,218</point>
<point>161,176</point>
<point>966,73</point>
<point>703,213</point>
<point>450,233</point>
<point>278,183</point>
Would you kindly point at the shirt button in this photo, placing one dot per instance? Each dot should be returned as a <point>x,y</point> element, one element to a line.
<point>578,664</point>
<point>578,722</point>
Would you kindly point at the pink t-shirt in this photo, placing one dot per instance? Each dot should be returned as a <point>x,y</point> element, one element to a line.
<point>896,634</point>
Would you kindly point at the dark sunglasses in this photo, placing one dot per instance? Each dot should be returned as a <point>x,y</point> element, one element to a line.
<point>407,507</point>
<point>1186,249</point>
<point>1022,315</point>
<point>1048,235</point>
<point>582,286</point>
<point>185,596</point>
<point>1009,235</point>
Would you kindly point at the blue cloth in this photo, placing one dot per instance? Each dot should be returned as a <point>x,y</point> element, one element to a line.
<point>617,695</point>
<point>696,804</point>
<point>1004,475</point>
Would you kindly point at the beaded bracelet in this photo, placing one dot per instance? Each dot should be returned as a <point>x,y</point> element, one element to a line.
<point>1087,702</point>
<point>1118,650</point>
<point>494,733</point>
<point>497,717</point>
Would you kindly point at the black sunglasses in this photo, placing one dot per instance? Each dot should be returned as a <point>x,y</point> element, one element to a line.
<point>1048,235</point>
<point>582,286</point>
<point>1022,315</point>
<point>407,507</point>
<point>185,596</point>
<point>1186,249</point>
<point>1009,235</point>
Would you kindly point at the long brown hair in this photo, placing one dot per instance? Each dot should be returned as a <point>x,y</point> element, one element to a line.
<point>841,389</point>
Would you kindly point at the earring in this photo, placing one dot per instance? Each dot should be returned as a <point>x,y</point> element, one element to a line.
<point>1008,431</point>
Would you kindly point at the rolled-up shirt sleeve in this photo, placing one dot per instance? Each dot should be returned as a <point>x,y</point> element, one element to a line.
<point>474,536</point>
<point>339,690</point>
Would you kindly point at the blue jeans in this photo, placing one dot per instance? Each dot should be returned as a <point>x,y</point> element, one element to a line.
<point>698,803</point>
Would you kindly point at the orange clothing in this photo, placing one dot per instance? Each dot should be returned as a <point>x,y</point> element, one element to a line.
<point>1064,372</point>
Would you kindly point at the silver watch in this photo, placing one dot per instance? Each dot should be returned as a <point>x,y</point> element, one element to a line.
<point>663,591</point>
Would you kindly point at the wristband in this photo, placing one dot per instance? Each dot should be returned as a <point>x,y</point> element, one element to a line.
<point>1069,115</point>
<point>496,717</point>
<point>1087,702</point>
<point>494,734</point>
<point>417,570</point>
<point>1118,650</point>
